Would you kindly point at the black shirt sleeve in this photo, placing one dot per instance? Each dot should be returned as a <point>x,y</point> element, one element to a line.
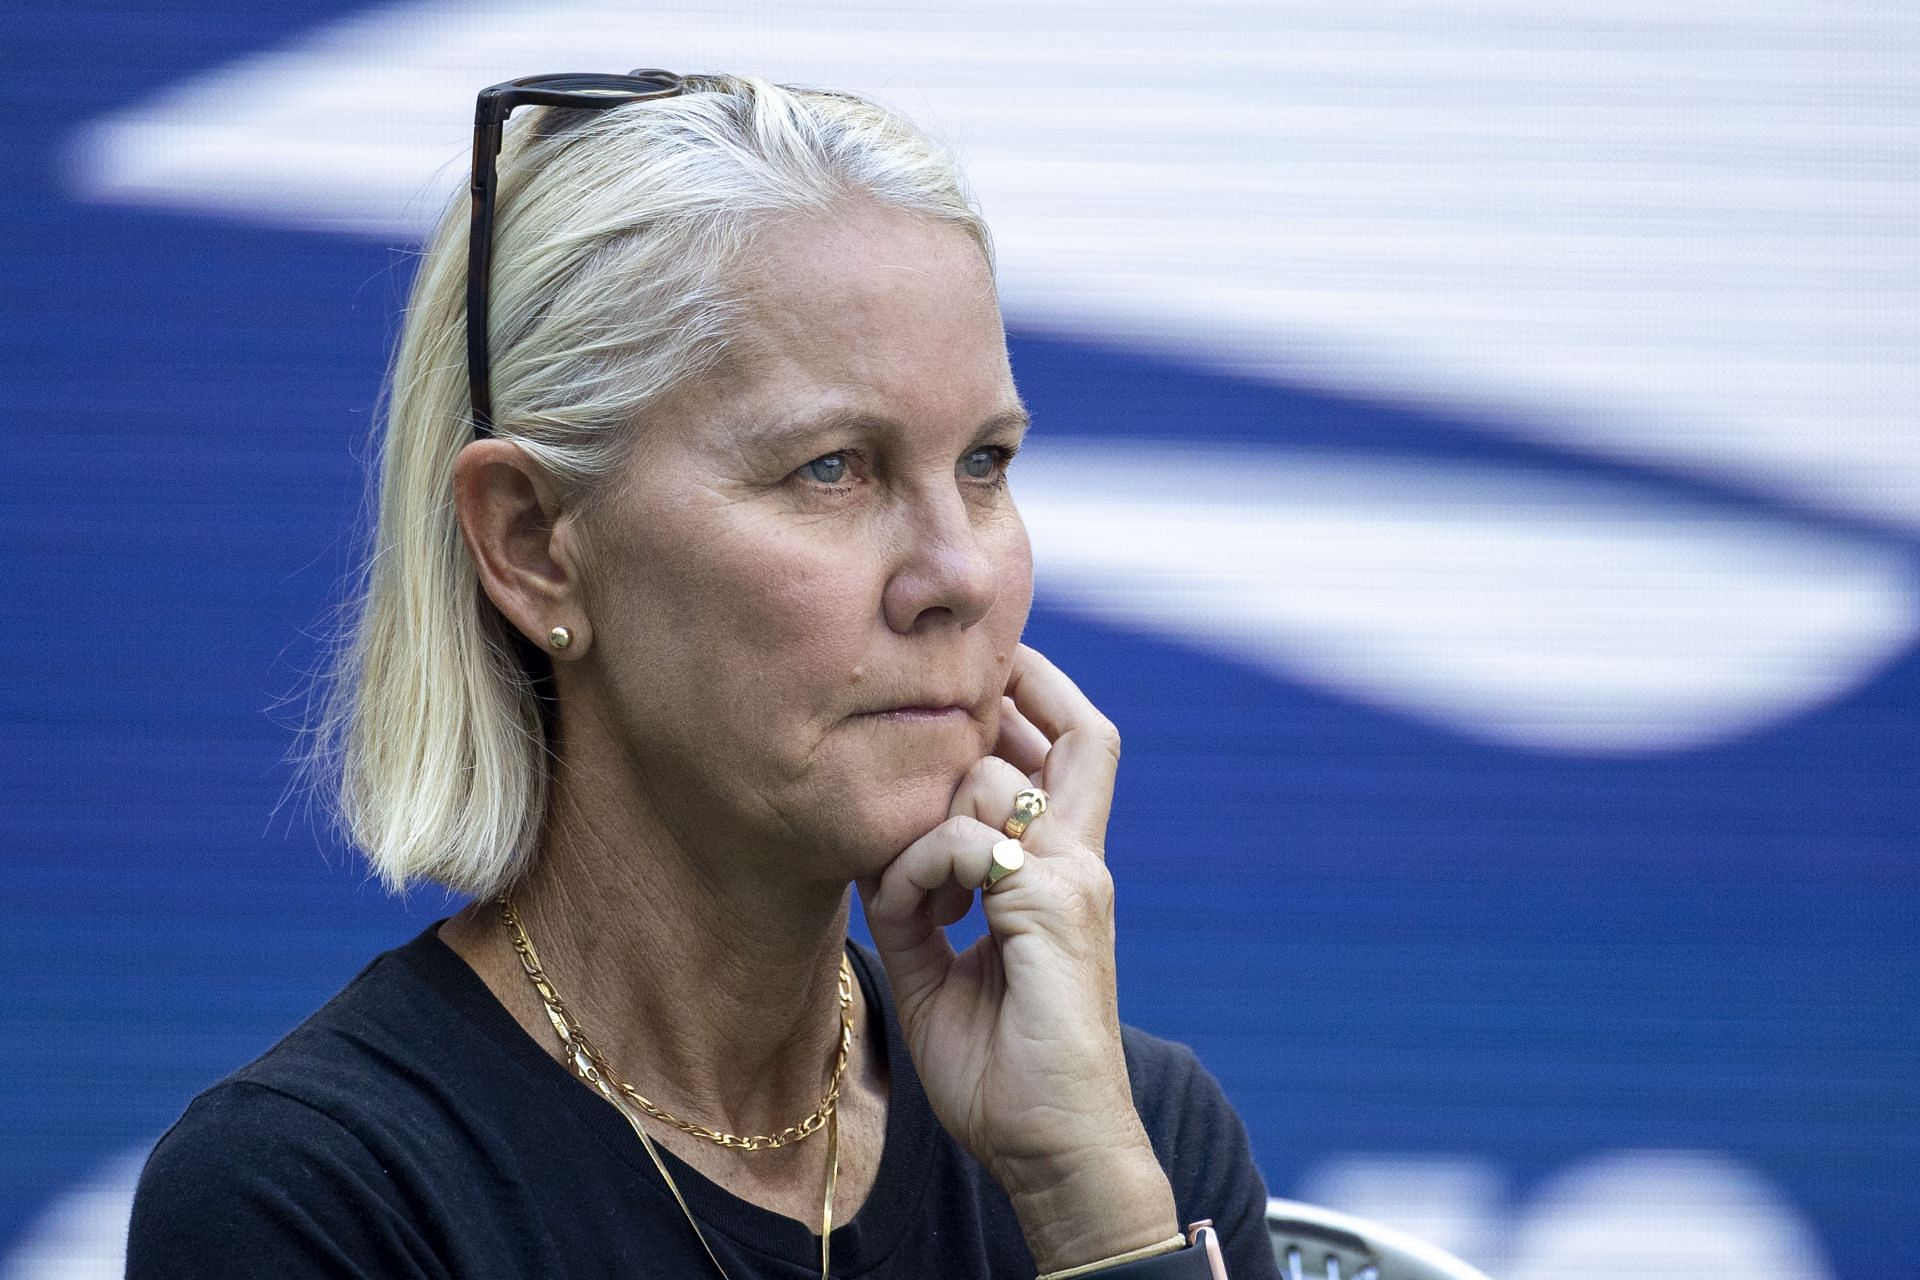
<point>251,1182</point>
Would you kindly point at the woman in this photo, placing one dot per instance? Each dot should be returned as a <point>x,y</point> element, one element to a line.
<point>697,600</point>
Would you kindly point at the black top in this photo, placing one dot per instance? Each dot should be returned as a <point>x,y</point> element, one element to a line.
<point>411,1128</point>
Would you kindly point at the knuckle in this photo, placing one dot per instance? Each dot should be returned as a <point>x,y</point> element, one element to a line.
<point>990,773</point>
<point>958,828</point>
<point>980,771</point>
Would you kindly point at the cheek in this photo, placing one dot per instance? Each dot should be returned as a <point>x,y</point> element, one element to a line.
<point>1013,562</point>
<point>750,607</point>
<point>812,612</point>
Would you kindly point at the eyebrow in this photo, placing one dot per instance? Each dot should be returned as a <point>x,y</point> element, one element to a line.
<point>838,420</point>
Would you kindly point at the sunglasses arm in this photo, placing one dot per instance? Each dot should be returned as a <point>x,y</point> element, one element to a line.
<point>489,120</point>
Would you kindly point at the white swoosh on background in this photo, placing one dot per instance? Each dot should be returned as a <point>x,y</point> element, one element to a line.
<point>81,1233</point>
<point>1648,1214</point>
<point>1680,234</point>
<point>1514,607</point>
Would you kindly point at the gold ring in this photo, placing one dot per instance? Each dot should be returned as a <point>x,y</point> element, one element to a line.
<point>1027,805</point>
<point>1008,857</point>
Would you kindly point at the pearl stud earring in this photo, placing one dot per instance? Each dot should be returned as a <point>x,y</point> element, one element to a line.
<point>559,637</point>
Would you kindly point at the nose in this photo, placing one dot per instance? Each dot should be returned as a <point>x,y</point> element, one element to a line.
<point>945,573</point>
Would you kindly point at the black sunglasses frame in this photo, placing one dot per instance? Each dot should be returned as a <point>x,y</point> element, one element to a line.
<point>585,91</point>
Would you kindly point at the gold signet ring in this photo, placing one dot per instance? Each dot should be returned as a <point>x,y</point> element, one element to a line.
<point>1027,806</point>
<point>1008,857</point>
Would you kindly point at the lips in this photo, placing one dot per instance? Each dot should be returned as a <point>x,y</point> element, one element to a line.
<point>918,709</point>
<point>933,705</point>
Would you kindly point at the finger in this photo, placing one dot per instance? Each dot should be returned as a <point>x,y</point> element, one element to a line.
<point>1020,744</point>
<point>1080,767</point>
<point>900,908</point>
<point>914,950</point>
<point>957,851</point>
<point>986,793</point>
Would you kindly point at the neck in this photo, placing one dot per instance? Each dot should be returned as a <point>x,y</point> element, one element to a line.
<point>709,985</point>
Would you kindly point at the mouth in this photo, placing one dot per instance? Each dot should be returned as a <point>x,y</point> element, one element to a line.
<point>918,713</point>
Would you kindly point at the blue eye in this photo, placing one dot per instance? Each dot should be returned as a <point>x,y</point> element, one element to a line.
<point>987,463</point>
<point>829,469</point>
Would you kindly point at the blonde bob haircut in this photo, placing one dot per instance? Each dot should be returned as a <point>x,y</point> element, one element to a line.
<point>619,237</point>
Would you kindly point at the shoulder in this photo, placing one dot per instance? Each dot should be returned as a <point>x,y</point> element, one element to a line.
<point>366,1055</point>
<point>400,1061</point>
<point>250,1174</point>
<point>241,1137</point>
<point>315,1149</point>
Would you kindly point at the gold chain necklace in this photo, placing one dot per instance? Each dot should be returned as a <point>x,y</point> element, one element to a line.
<point>589,1064</point>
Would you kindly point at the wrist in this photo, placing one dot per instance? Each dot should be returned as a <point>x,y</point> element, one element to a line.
<point>1107,1206</point>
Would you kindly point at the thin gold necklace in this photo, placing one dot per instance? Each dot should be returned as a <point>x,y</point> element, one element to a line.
<point>589,1064</point>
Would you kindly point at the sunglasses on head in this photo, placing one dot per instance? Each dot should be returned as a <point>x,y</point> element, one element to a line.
<point>584,91</point>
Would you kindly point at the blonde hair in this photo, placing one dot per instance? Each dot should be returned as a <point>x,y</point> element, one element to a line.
<point>620,234</point>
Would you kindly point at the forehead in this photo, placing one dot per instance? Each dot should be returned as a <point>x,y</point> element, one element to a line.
<point>859,252</point>
<point>869,312</point>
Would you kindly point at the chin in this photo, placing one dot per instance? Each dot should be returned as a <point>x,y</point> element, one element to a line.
<point>876,798</point>
<point>909,809</point>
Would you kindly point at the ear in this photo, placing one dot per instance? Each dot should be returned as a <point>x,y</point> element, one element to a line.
<point>525,550</point>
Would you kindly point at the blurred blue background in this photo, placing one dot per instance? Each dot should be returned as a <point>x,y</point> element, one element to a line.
<point>1475,465</point>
